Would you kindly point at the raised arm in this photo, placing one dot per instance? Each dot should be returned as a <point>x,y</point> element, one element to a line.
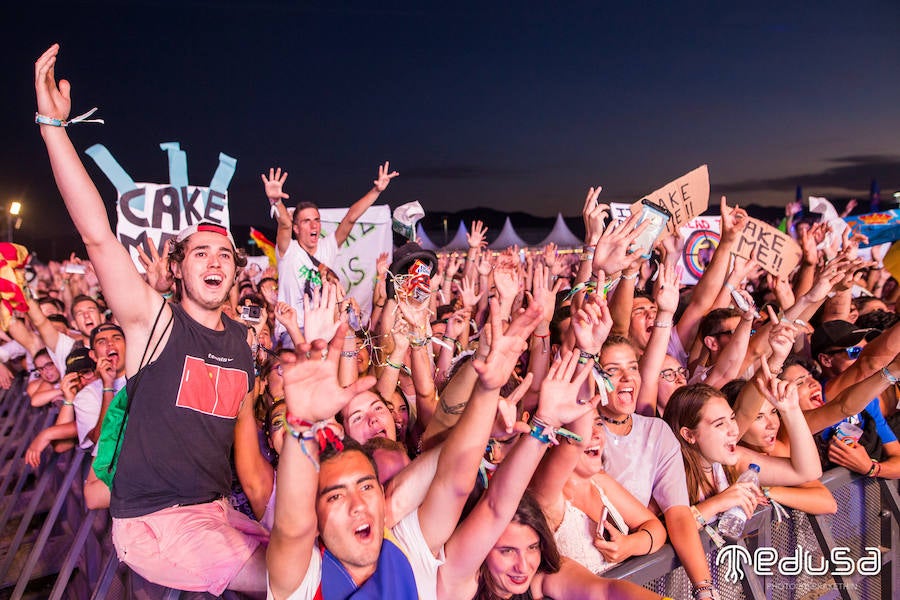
<point>851,400</point>
<point>312,394</point>
<point>274,185</point>
<point>803,465</point>
<point>362,205</point>
<point>473,539</point>
<point>652,359</point>
<point>131,299</point>
<point>733,222</point>
<point>464,447</point>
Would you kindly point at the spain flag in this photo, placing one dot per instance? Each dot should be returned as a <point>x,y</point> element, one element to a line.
<point>264,244</point>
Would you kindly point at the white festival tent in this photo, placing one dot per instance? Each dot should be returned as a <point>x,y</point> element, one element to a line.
<point>459,241</point>
<point>561,235</point>
<point>507,238</point>
<point>426,242</point>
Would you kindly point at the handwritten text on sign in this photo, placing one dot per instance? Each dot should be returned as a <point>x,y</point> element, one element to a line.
<point>166,211</point>
<point>686,197</point>
<point>775,251</point>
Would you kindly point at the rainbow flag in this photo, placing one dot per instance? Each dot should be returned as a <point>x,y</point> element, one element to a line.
<point>264,244</point>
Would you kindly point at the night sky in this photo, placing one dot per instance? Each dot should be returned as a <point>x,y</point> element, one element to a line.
<point>516,109</point>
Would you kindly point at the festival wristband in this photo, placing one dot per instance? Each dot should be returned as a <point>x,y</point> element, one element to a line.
<point>53,122</point>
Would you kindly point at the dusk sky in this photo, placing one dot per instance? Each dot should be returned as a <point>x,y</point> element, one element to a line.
<point>519,107</point>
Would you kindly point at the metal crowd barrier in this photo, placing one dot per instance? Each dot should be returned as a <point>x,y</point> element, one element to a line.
<point>866,523</point>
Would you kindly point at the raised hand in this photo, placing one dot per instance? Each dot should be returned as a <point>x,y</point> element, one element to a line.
<point>507,409</point>
<point>780,393</point>
<point>784,293</point>
<point>543,293</point>
<point>809,246</point>
<point>311,387</point>
<point>733,221</point>
<point>505,346</point>
<point>549,256</point>
<point>485,263</point>
<point>285,314</point>
<point>613,249</point>
<point>319,319</point>
<point>508,283</point>
<point>558,402</point>
<point>781,336</point>
<point>274,184</point>
<point>592,324</point>
<point>667,289</point>
<point>476,237</point>
<point>157,267</point>
<point>52,101</point>
<point>384,176</point>
<point>453,266</point>
<point>467,292</point>
<point>593,215</point>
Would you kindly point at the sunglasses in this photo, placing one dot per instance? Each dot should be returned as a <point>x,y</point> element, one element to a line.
<point>852,352</point>
<point>671,375</point>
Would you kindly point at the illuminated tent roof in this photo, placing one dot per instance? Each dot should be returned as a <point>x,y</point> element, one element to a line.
<point>508,237</point>
<point>561,235</point>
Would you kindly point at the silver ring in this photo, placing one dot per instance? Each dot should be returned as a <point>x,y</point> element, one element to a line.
<point>308,355</point>
<point>581,402</point>
<point>324,353</point>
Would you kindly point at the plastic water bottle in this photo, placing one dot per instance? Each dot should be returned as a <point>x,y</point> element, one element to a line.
<point>731,524</point>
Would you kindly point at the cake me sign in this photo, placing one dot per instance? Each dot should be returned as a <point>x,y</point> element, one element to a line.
<point>767,561</point>
<point>151,213</point>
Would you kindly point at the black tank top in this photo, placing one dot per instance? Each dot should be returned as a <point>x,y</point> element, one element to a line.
<point>181,421</point>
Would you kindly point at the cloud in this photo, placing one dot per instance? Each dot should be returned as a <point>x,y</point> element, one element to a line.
<point>852,173</point>
<point>460,172</point>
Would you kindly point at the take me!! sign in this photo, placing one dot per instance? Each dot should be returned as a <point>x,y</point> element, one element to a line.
<point>151,213</point>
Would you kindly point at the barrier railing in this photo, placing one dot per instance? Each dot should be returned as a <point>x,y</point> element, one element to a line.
<point>810,552</point>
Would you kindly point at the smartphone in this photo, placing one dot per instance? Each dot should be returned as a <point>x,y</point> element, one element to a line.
<point>74,269</point>
<point>658,217</point>
<point>601,526</point>
<point>353,318</point>
<point>251,313</point>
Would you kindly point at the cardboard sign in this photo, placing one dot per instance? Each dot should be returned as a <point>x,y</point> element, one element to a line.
<point>701,238</point>
<point>686,198</point>
<point>774,250</point>
<point>166,211</point>
<point>151,213</point>
<point>355,264</point>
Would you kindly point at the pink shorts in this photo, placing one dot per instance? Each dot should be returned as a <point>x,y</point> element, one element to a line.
<point>198,548</point>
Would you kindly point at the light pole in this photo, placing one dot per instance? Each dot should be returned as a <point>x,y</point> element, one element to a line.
<point>15,207</point>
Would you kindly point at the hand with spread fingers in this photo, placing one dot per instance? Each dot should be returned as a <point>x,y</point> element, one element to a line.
<point>384,176</point>
<point>311,386</point>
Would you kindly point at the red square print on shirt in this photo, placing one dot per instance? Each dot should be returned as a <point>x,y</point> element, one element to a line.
<point>211,389</point>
